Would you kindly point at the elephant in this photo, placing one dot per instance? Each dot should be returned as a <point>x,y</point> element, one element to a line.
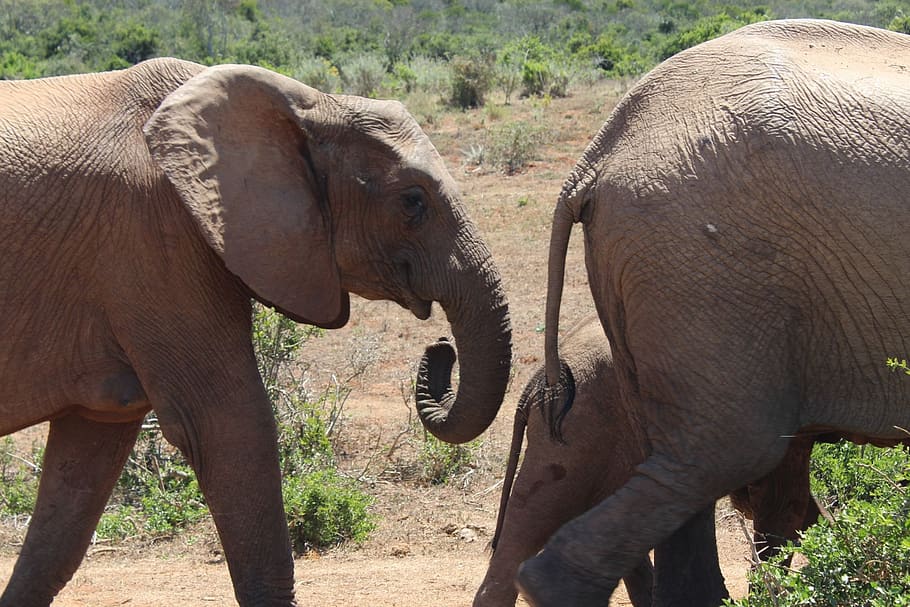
<point>141,212</point>
<point>745,212</point>
<point>600,443</point>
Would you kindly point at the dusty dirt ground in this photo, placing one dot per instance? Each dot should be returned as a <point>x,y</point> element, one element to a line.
<point>430,545</point>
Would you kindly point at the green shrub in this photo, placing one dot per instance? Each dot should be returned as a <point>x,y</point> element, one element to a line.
<point>707,28</point>
<point>172,501</point>
<point>513,145</point>
<point>610,55</point>
<point>535,77</point>
<point>134,42</point>
<point>403,78</point>
<point>318,73</point>
<point>16,66</point>
<point>157,493</point>
<point>440,462</point>
<point>433,76</point>
<point>539,68</point>
<point>862,557</point>
<point>900,24</point>
<point>18,480</point>
<point>322,507</point>
<point>363,74</point>
<point>472,79</point>
<point>843,471</point>
<point>325,509</point>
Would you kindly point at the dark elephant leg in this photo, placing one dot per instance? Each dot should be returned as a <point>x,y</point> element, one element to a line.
<point>640,584</point>
<point>686,569</point>
<point>82,462</point>
<point>781,503</point>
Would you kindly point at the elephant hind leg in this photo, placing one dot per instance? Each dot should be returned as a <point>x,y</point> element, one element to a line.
<point>82,461</point>
<point>582,563</point>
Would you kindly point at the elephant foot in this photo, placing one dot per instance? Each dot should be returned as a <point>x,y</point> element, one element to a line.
<point>548,580</point>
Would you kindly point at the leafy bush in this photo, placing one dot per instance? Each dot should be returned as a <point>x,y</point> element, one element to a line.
<point>172,501</point>
<point>707,28</point>
<point>363,74</point>
<point>404,78</point>
<point>432,75</point>
<point>135,42</point>
<point>440,462</point>
<point>539,67</point>
<point>843,471</point>
<point>862,557</point>
<point>157,493</point>
<point>512,146</point>
<point>609,54</point>
<point>322,507</point>
<point>18,480</point>
<point>325,509</point>
<point>900,24</point>
<point>472,79</point>
<point>318,73</point>
<point>14,65</point>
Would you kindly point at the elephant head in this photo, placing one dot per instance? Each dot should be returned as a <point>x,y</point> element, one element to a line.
<point>308,196</point>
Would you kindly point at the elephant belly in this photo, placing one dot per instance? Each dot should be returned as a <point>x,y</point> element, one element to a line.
<point>110,395</point>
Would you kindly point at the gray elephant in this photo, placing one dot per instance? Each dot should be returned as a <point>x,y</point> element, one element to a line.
<point>140,211</point>
<point>745,214</point>
<point>600,443</point>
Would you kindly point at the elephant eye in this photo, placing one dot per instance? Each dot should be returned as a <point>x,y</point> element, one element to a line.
<point>414,205</point>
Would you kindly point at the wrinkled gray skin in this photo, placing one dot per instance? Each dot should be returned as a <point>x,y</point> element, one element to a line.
<point>139,212</point>
<point>745,213</point>
<point>601,443</point>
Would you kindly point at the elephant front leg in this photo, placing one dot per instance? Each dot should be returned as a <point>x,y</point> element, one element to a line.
<point>233,451</point>
<point>82,462</point>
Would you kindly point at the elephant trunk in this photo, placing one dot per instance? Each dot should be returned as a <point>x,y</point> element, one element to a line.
<point>482,330</point>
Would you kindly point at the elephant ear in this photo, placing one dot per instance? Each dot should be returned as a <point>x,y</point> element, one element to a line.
<point>232,141</point>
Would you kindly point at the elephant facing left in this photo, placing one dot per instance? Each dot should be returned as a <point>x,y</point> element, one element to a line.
<point>140,211</point>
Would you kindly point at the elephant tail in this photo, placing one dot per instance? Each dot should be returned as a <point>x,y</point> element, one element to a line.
<point>518,435</point>
<point>559,385</point>
<point>536,388</point>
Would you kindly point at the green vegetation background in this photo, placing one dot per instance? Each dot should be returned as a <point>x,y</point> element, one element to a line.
<point>330,40</point>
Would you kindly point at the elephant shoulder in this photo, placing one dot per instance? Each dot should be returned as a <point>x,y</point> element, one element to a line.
<point>153,80</point>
